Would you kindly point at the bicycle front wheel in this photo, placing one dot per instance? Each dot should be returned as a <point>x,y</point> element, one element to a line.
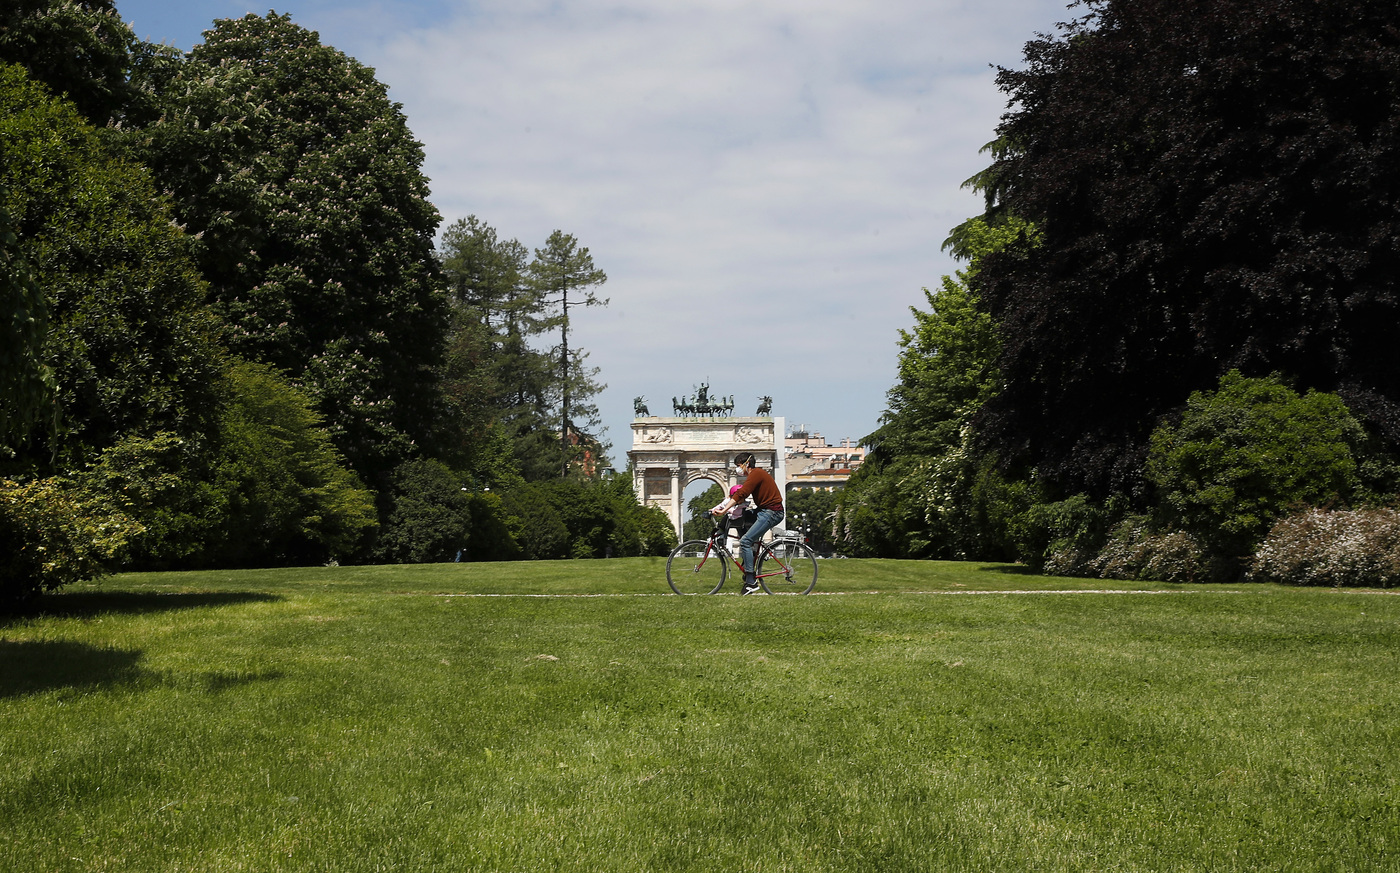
<point>696,568</point>
<point>786,567</point>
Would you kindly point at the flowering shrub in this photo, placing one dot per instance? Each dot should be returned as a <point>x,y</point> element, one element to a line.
<point>1357,548</point>
<point>1135,551</point>
<point>1067,560</point>
<point>55,533</point>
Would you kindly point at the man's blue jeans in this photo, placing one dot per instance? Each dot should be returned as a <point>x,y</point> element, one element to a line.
<point>767,519</point>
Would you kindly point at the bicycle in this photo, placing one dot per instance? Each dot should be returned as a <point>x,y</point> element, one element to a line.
<point>784,566</point>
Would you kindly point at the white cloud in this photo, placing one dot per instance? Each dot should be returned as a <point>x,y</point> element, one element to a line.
<point>796,160</point>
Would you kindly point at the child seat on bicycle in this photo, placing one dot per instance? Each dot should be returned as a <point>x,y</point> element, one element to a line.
<point>741,516</point>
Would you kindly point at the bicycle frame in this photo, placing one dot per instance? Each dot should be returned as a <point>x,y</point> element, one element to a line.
<point>785,565</point>
<point>719,543</point>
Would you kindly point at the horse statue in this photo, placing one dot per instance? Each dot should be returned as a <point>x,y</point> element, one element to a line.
<point>701,402</point>
<point>639,407</point>
<point>765,405</point>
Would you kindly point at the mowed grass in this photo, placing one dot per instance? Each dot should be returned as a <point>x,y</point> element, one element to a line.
<point>379,718</point>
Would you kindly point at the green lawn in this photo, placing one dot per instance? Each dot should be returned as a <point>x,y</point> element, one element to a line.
<point>902,718</point>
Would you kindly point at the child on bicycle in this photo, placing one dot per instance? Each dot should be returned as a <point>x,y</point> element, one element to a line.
<point>741,516</point>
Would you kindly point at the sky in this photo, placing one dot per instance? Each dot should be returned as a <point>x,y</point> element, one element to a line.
<point>766,183</point>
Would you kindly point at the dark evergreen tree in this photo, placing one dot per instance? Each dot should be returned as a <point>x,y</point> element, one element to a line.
<point>486,277</point>
<point>496,382</point>
<point>1217,183</point>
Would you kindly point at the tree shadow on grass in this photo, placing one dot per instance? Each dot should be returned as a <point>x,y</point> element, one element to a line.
<point>1008,570</point>
<point>89,604</point>
<point>36,666</point>
<point>33,666</point>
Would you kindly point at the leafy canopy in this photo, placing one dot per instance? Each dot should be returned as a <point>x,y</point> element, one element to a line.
<point>290,498</point>
<point>26,382</point>
<point>1216,184</point>
<point>914,497</point>
<point>304,185</point>
<point>130,342</point>
<point>80,49</point>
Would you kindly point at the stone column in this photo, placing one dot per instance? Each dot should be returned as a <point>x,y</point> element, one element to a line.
<point>780,457</point>
<point>676,502</point>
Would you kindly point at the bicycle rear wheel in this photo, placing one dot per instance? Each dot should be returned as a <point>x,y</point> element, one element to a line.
<point>694,567</point>
<point>787,567</point>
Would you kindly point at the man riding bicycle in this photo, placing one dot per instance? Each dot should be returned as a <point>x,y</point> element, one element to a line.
<point>769,498</point>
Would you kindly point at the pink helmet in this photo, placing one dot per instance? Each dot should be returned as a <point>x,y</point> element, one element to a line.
<point>734,490</point>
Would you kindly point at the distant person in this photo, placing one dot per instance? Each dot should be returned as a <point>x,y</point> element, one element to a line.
<point>769,498</point>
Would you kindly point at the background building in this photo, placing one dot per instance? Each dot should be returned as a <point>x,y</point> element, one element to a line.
<point>812,463</point>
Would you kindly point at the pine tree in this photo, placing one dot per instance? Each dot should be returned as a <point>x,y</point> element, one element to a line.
<point>558,268</point>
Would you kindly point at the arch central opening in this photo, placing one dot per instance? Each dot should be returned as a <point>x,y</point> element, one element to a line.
<point>696,501</point>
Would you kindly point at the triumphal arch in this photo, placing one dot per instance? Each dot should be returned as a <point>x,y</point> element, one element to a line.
<point>699,442</point>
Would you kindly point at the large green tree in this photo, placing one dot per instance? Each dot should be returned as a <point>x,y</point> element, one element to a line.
<point>497,384</point>
<point>130,341</point>
<point>303,183</point>
<point>81,49</point>
<point>26,382</point>
<point>913,497</point>
<point>290,499</point>
<point>1217,185</point>
<point>127,348</point>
